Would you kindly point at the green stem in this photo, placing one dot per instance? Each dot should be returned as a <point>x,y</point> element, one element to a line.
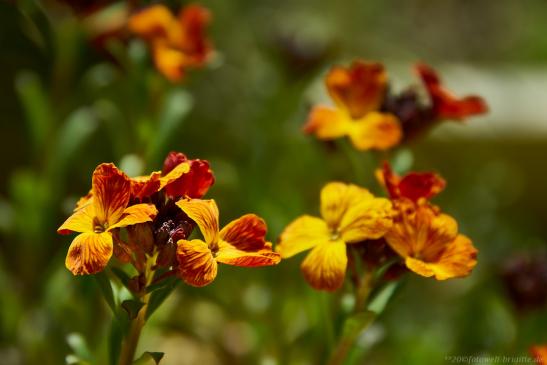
<point>129,346</point>
<point>345,344</point>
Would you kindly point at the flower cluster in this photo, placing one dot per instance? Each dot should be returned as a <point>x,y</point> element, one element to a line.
<point>373,117</point>
<point>426,239</point>
<point>176,42</point>
<point>159,212</point>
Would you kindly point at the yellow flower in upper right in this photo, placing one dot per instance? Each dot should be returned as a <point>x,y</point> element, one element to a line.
<point>425,237</point>
<point>358,93</point>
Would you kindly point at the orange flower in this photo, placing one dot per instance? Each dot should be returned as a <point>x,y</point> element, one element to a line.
<point>350,214</point>
<point>98,216</point>
<point>358,93</point>
<point>540,354</point>
<point>427,239</point>
<point>240,243</point>
<point>177,43</point>
<point>446,105</point>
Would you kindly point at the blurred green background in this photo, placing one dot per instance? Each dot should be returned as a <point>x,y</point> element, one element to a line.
<point>70,101</point>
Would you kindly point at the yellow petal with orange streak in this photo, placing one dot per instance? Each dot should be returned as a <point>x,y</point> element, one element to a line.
<point>327,123</point>
<point>205,214</point>
<point>111,190</point>
<point>138,213</point>
<point>458,260</point>
<point>231,255</point>
<point>325,266</point>
<point>197,267</point>
<point>302,234</point>
<point>375,130</point>
<point>370,218</point>
<point>80,221</point>
<point>337,198</point>
<point>245,233</point>
<point>174,174</point>
<point>89,253</point>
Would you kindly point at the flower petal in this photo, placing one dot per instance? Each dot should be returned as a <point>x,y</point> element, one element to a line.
<point>413,186</point>
<point>327,123</point>
<point>170,62</point>
<point>194,183</point>
<point>376,131</point>
<point>175,174</point>
<point>138,213</point>
<point>111,192</point>
<point>370,218</point>
<point>80,221</point>
<point>205,214</point>
<point>325,266</point>
<point>232,255</point>
<point>337,198</point>
<point>446,105</point>
<point>151,22</point>
<point>302,234</point>
<point>458,259</point>
<point>89,253</point>
<point>144,186</point>
<point>245,233</point>
<point>420,231</point>
<point>193,20</point>
<point>359,89</point>
<point>196,263</point>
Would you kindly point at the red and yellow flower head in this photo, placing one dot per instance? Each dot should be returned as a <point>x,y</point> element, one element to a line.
<point>177,42</point>
<point>240,243</point>
<point>358,93</point>
<point>427,239</point>
<point>349,214</point>
<point>98,217</point>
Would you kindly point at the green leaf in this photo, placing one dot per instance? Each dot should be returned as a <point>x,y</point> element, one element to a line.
<point>78,127</point>
<point>122,275</point>
<point>149,358</point>
<point>115,339</point>
<point>380,300</point>
<point>158,296</point>
<point>106,289</point>
<point>357,323</point>
<point>177,105</point>
<point>132,307</point>
<point>36,107</point>
<point>78,344</point>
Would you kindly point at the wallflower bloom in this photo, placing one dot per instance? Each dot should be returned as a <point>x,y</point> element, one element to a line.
<point>540,354</point>
<point>240,243</point>
<point>445,104</point>
<point>98,215</point>
<point>350,214</point>
<point>427,239</point>
<point>177,43</point>
<point>358,93</point>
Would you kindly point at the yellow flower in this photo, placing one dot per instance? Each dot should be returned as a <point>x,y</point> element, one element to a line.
<point>429,242</point>
<point>358,93</point>
<point>240,243</point>
<point>97,215</point>
<point>350,214</point>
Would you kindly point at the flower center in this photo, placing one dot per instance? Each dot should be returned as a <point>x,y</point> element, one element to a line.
<point>335,235</point>
<point>98,227</point>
